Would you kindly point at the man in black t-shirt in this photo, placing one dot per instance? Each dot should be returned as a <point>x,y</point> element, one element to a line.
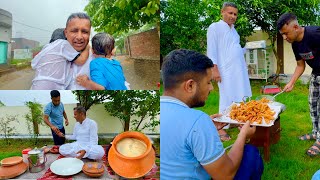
<point>306,47</point>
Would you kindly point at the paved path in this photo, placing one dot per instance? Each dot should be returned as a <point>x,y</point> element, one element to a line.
<point>141,74</point>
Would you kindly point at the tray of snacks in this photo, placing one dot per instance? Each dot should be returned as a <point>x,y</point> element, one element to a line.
<point>258,112</point>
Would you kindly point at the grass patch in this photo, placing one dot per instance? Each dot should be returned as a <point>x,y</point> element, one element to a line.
<point>288,159</point>
<point>20,61</point>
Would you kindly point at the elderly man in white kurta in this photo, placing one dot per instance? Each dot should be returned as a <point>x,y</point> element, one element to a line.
<point>230,69</point>
<point>85,133</point>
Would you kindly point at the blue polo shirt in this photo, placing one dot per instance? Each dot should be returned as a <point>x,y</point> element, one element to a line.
<point>189,140</point>
<point>107,73</point>
<point>55,114</point>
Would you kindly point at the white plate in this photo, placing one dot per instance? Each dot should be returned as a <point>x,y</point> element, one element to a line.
<point>226,119</point>
<point>66,166</point>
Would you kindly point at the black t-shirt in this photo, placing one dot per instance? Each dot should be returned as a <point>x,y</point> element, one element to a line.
<point>309,48</point>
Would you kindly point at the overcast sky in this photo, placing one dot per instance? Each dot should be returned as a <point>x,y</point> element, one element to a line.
<point>19,97</point>
<point>44,16</point>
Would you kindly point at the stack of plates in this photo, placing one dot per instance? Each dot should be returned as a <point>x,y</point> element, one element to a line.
<point>12,167</point>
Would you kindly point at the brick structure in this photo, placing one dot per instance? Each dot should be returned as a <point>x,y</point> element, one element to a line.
<point>144,45</point>
<point>144,49</point>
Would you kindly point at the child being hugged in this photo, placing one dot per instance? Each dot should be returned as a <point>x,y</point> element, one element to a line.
<point>106,73</point>
<point>53,63</point>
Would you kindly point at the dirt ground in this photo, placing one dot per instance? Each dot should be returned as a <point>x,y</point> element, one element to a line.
<point>141,74</point>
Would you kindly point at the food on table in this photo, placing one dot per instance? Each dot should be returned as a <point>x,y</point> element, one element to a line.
<point>253,111</point>
<point>93,169</point>
<point>54,150</point>
<point>131,147</point>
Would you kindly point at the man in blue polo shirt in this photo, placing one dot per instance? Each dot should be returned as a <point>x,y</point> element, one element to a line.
<point>190,143</point>
<point>53,117</point>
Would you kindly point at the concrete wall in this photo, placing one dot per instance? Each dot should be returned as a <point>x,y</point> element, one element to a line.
<point>6,30</point>
<point>289,59</point>
<point>144,45</point>
<point>106,123</point>
<point>23,43</point>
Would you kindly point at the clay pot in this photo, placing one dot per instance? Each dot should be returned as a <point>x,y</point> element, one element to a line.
<point>93,169</point>
<point>131,167</point>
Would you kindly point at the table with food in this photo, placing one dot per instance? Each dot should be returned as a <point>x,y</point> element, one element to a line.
<point>129,156</point>
<point>262,113</point>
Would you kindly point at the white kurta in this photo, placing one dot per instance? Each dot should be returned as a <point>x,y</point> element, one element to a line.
<point>52,66</point>
<point>223,48</point>
<point>86,135</point>
<point>80,70</point>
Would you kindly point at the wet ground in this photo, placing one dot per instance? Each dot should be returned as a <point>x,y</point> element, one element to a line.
<point>141,74</point>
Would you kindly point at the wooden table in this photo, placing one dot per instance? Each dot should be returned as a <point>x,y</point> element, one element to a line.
<point>265,136</point>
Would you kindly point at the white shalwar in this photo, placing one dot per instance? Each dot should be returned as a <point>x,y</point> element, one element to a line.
<point>80,70</point>
<point>86,135</point>
<point>223,48</point>
<point>53,66</point>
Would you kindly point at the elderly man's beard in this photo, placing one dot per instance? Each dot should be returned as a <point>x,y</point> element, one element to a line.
<point>196,100</point>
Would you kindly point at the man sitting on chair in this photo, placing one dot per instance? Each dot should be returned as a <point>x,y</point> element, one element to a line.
<point>85,133</point>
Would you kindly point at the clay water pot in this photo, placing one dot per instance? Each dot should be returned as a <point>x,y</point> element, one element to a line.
<point>131,167</point>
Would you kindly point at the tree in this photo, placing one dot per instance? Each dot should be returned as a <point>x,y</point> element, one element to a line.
<point>184,24</point>
<point>5,127</point>
<point>1,104</point>
<point>140,104</point>
<point>131,107</point>
<point>117,16</point>
<point>265,13</point>
<point>35,117</point>
<point>89,98</point>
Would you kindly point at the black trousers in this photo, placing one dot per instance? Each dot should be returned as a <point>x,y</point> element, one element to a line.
<point>58,140</point>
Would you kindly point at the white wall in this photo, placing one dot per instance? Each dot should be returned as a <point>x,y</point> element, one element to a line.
<point>106,123</point>
<point>289,59</point>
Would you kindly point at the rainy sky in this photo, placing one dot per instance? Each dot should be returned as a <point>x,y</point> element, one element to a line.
<point>19,97</point>
<point>36,19</point>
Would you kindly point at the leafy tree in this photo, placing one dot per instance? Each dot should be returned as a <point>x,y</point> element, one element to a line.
<point>34,117</point>
<point>184,24</point>
<point>117,16</point>
<point>89,98</point>
<point>5,127</point>
<point>265,13</point>
<point>131,107</point>
<point>140,104</point>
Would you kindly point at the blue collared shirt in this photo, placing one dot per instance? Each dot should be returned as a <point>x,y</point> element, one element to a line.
<point>55,114</point>
<point>189,140</point>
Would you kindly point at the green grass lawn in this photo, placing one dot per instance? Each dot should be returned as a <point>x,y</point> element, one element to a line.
<point>15,147</point>
<point>288,159</point>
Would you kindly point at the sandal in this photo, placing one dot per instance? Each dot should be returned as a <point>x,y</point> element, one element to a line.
<point>225,137</point>
<point>309,136</point>
<point>313,151</point>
